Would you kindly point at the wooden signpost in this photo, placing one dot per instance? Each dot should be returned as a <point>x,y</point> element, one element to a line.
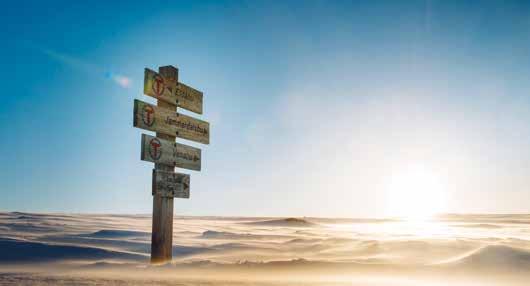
<point>165,152</point>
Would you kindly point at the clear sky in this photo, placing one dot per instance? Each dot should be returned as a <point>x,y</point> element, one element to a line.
<point>325,108</point>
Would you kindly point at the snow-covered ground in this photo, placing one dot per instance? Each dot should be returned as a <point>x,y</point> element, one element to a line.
<point>69,249</point>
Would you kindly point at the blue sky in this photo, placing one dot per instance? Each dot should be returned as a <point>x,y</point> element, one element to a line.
<point>315,106</point>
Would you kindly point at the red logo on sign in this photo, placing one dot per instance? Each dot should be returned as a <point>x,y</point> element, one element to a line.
<point>155,149</point>
<point>148,115</point>
<point>158,85</point>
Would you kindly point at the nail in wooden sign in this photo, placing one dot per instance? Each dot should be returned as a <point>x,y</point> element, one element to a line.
<point>169,153</point>
<point>154,118</point>
<point>171,184</point>
<point>172,92</point>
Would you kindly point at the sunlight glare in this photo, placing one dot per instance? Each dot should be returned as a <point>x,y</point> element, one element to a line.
<point>415,193</point>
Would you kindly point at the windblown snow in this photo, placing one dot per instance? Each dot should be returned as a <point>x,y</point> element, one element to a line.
<point>65,249</point>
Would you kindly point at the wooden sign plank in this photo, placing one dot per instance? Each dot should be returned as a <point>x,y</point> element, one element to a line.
<point>172,92</point>
<point>154,118</point>
<point>169,153</point>
<point>171,184</point>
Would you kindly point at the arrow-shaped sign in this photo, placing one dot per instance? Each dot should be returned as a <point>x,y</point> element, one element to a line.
<point>172,92</point>
<point>154,118</point>
<point>165,152</point>
<point>171,184</point>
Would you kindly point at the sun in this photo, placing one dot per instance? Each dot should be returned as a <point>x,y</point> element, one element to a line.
<point>415,193</point>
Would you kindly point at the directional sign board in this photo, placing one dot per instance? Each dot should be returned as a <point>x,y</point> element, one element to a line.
<point>154,118</point>
<point>175,93</point>
<point>171,184</point>
<point>165,152</point>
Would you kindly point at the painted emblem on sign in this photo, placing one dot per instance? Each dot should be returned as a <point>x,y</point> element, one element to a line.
<point>154,149</point>
<point>148,115</point>
<point>158,85</point>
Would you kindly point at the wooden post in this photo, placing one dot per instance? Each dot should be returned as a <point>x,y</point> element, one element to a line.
<point>162,230</point>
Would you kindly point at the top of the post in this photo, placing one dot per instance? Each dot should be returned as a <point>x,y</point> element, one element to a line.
<point>171,73</point>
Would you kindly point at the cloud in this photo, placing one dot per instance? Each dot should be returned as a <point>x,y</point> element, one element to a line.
<point>89,68</point>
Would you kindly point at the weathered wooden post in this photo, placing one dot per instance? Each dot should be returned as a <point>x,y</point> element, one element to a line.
<point>162,227</point>
<point>165,152</point>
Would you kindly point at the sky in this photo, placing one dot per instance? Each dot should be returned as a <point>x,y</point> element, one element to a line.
<point>316,108</point>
